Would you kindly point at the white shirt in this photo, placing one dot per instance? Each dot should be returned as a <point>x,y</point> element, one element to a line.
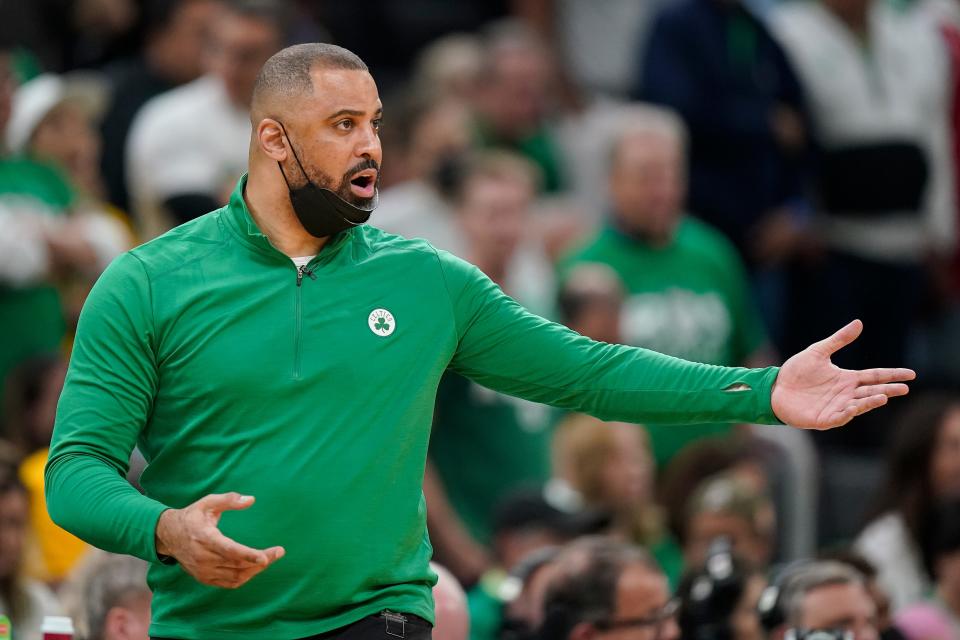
<point>886,543</point>
<point>896,87</point>
<point>190,140</point>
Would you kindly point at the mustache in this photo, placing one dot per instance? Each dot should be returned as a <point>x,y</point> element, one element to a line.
<point>363,165</point>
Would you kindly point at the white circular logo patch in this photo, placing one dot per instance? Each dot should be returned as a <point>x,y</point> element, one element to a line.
<point>381,322</point>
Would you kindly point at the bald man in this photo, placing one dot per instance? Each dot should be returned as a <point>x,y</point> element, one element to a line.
<point>280,348</point>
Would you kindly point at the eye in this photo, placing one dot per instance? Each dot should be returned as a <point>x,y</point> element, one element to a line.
<point>377,123</point>
<point>344,125</point>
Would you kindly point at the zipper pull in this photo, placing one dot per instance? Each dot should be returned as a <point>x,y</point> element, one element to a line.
<point>302,270</point>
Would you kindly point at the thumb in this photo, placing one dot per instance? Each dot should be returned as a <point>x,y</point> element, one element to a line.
<point>840,339</point>
<point>217,503</point>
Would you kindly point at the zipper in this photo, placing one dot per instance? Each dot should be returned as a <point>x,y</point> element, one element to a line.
<point>302,270</point>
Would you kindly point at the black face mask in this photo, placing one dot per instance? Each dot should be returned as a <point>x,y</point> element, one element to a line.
<point>321,211</point>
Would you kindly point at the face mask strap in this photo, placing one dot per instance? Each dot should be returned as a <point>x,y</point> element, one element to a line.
<point>295,157</point>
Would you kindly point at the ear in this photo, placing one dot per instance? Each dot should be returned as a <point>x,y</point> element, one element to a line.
<point>582,631</point>
<point>116,624</point>
<point>271,138</point>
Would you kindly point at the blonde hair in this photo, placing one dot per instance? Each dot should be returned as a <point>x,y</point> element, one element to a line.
<point>581,448</point>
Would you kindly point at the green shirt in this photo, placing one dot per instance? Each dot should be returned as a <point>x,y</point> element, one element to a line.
<point>484,445</point>
<point>689,299</point>
<point>316,396</point>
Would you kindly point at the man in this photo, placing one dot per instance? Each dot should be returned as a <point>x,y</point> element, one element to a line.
<point>187,147</point>
<point>601,588</point>
<point>172,54</point>
<point>450,607</point>
<point>312,387</point>
<point>827,595</point>
<point>111,599</point>
<point>687,292</point>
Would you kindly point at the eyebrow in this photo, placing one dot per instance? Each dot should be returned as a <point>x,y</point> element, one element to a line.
<point>352,112</point>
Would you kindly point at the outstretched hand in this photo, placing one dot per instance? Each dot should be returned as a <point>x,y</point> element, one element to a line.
<point>813,393</point>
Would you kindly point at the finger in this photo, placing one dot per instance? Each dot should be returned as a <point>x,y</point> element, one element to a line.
<point>882,376</point>
<point>235,552</point>
<point>869,403</point>
<point>217,503</point>
<point>889,390</point>
<point>840,339</point>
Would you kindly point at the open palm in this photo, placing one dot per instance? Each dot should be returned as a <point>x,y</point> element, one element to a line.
<point>813,393</point>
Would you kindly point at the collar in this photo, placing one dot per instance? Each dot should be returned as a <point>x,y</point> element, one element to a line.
<point>238,218</point>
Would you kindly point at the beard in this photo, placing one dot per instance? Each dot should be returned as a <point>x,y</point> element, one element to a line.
<point>342,187</point>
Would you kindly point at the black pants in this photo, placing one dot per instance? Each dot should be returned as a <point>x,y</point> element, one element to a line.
<point>381,626</point>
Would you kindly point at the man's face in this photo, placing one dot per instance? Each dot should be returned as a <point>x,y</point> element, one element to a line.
<point>745,542</point>
<point>239,45</point>
<point>841,606</point>
<point>185,36</point>
<point>642,594</point>
<point>515,95</point>
<point>493,213</point>
<point>646,185</point>
<point>335,133</point>
<point>628,473</point>
<point>66,137</point>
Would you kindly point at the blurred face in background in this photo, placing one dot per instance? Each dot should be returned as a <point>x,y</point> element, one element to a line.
<point>130,620</point>
<point>746,542</point>
<point>66,137</point>
<point>493,213</point>
<point>841,606</point>
<point>627,477</point>
<point>13,530</point>
<point>239,45</point>
<point>646,185</point>
<point>642,594</point>
<point>948,576</point>
<point>945,463</point>
<point>177,47</point>
<point>8,85</point>
<point>442,132</point>
<point>515,90</point>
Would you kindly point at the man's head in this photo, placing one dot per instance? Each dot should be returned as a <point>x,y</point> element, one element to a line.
<point>493,202</point>
<point>725,506</point>
<point>514,81</point>
<point>176,32</point>
<point>591,300</point>
<point>647,178</point>
<point>450,607</point>
<point>829,595</point>
<point>316,119</point>
<point>242,37</point>
<point>110,598</point>
<point>602,589</point>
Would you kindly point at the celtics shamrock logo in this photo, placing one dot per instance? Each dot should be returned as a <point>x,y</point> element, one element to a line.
<point>381,322</point>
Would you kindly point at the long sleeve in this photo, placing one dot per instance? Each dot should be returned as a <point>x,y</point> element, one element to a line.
<point>106,400</point>
<point>506,348</point>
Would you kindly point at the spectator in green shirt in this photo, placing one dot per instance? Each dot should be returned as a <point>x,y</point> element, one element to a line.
<point>687,292</point>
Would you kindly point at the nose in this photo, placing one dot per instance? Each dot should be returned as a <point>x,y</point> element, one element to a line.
<point>368,144</point>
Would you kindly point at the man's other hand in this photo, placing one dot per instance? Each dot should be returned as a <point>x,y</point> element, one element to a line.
<point>191,536</point>
<point>813,393</point>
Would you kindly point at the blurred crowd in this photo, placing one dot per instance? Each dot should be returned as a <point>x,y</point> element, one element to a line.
<point>722,180</point>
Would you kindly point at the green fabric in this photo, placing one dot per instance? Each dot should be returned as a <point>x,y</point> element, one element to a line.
<point>669,556</point>
<point>486,611</point>
<point>31,316</point>
<point>484,445</point>
<point>201,347</point>
<point>538,147</point>
<point>688,299</point>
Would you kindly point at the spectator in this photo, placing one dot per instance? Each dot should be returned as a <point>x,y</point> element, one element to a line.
<point>109,598</point>
<point>449,67</point>
<point>23,600</point>
<point>881,599</point>
<point>591,302</point>
<point>885,199</point>
<point>450,607</point>
<point>924,468</point>
<point>512,103</point>
<point>600,585</point>
<point>526,524</point>
<point>428,137</point>
<point>175,31</point>
<point>485,444</point>
<point>687,294</point>
<point>719,598</point>
<point>187,147</point>
<point>825,595</point>
<point>608,466</point>
<point>524,592</point>
<point>725,506</point>
<point>716,63</point>
<point>32,393</point>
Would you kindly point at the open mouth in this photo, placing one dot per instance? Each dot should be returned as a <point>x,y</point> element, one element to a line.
<point>364,183</point>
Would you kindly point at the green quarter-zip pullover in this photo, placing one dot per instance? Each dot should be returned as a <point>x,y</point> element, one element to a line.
<point>314,392</point>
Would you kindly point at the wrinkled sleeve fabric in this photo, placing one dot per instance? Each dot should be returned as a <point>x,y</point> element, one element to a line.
<point>504,347</point>
<point>106,401</point>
